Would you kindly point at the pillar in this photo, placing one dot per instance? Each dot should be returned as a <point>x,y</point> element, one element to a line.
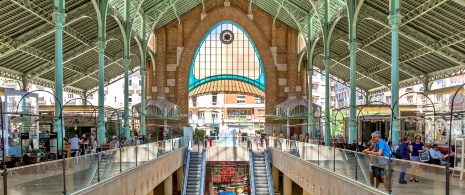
<point>168,185</point>
<point>84,98</point>
<point>287,185</point>
<point>326,27</point>
<point>143,73</point>
<point>101,45</point>
<point>180,176</point>
<point>58,17</point>
<point>127,62</point>
<point>310,77</point>
<point>275,176</point>
<point>351,6</point>
<point>394,20</point>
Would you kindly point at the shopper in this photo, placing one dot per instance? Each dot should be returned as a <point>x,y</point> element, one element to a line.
<point>404,153</point>
<point>382,150</point>
<point>416,148</point>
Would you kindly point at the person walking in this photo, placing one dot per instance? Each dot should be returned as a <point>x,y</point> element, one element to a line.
<point>403,152</point>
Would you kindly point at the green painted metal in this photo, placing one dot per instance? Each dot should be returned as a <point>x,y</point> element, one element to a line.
<point>143,129</point>
<point>59,17</point>
<point>327,44</point>
<point>310,76</point>
<point>394,21</point>
<point>101,44</point>
<point>127,62</point>
<point>351,6</point>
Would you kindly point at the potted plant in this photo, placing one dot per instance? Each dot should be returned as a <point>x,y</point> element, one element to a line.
<point>200,135</point>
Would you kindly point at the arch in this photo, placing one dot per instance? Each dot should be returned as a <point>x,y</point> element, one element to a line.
<point>262,44</point>
<point>208,77</point>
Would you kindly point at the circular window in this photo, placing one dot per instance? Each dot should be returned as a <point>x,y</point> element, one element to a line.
<point>227,37</point>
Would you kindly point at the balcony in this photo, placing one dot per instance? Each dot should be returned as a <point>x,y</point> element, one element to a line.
<point>244,117</point>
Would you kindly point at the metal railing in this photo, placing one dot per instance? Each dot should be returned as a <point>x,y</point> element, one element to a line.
<point>268,173</point>
<point>357,166</point>
<point>25,179</point>
<point>252,172</point>
<point>186,167</point>
<point>202,172</point>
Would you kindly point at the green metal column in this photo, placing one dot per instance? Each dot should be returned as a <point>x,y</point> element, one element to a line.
<point>351,6</point>
<point>143,72</point>
<point>326,27</point>
<point>394,21</point>
<point>59,19</point>
<point>101,45</point>
<point>309,75</point>
<point>127,62</point>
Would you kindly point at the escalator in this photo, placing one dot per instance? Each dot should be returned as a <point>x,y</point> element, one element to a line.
<point>261,173</point>
<point>106,159</point>
<point>194,177</point>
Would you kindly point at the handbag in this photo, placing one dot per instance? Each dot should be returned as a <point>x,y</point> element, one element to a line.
<point>424,157</point>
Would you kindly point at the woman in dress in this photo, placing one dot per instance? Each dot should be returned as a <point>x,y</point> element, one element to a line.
<point>416,148</point>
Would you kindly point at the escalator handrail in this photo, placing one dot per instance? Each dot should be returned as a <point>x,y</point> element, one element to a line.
<point>95,169</point>
<point>202,172</point>
<point>252,173</point>
<point>268,173</point>
<point>108,163</point>
<point>186,168</point>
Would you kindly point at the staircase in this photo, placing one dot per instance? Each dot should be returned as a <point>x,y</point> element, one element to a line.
<point>194,172</point>
<point>262,185</point>
<point>104,166</point>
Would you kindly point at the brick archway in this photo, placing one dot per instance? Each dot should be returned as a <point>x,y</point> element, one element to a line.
<point>197,34</point>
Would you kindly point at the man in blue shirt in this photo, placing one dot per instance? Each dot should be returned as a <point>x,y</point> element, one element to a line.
<point>382,150</point>
<point>437,155</point>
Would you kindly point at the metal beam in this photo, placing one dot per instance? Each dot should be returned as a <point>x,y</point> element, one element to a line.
<point>460,2</point>
<point>440,45</point>
<point>420,39</point>
<point>114,80</point>
<point>38,33</point>
<point>68,56</point>
<point>51,84</point>
<point>407,18</point>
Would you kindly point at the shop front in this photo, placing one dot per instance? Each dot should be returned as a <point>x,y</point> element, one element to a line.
<point>227,178</point>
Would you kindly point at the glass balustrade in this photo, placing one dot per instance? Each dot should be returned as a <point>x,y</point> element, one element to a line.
<point>84,171</point>
<point>360,167</point>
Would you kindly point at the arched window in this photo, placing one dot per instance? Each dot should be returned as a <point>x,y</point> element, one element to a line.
<point>227,53</point>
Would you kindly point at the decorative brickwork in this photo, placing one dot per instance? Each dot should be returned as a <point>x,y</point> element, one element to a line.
<point>193,29</point>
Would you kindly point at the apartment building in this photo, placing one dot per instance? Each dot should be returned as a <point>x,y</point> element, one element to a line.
<point>228,110</point>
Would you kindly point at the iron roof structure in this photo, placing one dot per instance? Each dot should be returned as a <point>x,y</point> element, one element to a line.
<point>431,45</point>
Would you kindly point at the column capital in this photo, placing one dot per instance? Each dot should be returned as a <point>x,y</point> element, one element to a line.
<point>58,17</point>
<point>126,61</point>
<point>395,19</point>
<point>353,46</point>
<point>101,45</point>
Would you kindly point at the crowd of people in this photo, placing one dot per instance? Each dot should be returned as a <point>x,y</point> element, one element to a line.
<point>408,150</point>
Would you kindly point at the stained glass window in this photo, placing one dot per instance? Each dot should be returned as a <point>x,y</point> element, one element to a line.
<point>226,53</point>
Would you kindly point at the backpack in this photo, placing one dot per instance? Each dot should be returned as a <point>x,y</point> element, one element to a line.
<point>400,151</point>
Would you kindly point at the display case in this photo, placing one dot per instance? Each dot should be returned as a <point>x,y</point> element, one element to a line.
<point>459,157</point>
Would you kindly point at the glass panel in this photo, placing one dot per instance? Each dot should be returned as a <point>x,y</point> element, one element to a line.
<point>36,178</point>
<point>80,172</point>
